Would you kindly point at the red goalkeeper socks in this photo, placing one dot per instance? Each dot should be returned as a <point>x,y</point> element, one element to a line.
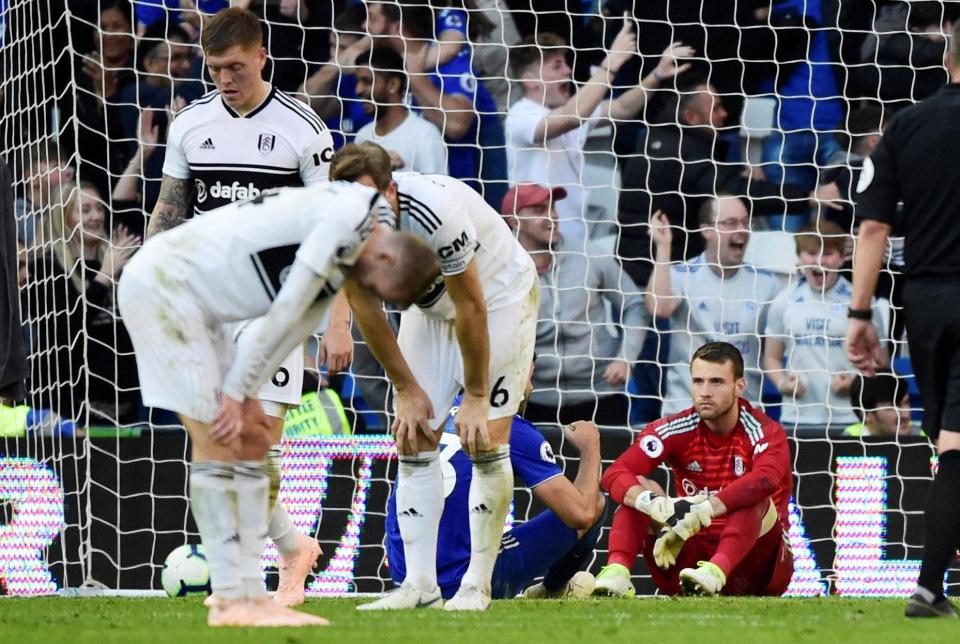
<point>627,536</point>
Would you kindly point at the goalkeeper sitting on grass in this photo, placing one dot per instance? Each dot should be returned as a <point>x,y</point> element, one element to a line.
<point>728,535</point>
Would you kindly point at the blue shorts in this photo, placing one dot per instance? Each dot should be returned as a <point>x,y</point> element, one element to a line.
<point>528,550</point>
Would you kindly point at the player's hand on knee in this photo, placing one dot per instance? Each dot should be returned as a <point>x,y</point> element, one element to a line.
<point>687,519</point>
<point>228,425</point>
<point>471,424</point>
<point>256,426</point>
<point>414,411</point>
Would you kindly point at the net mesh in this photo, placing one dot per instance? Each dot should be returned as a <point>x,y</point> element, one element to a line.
<point>776,103</point>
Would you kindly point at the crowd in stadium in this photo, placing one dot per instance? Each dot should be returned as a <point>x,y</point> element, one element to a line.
<point>630,285</point>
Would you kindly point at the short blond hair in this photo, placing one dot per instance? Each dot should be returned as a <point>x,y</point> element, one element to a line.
<point>825,236</point>
<point>359,159</point>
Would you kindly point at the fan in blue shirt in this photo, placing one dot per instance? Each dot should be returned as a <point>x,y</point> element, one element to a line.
<point>556,543</point>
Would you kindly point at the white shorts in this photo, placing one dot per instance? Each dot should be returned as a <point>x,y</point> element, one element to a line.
<point>430,347</point>
<point>284,387</point>
<point>182,355</point>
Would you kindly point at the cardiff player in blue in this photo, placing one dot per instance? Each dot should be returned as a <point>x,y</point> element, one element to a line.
<point>556,543</point>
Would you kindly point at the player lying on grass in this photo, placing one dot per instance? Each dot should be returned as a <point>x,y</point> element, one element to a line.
<point>473,329</point>
<point>282,256</point>
<point>556,543</point>
<point>732,538</point>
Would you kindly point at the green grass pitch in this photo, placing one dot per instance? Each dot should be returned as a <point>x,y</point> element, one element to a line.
<point>638,621</point>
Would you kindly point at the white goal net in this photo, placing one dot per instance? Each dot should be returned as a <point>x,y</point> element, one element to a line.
<point>744,123</point>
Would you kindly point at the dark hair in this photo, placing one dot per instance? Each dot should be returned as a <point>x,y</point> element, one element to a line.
<point>535,49</point>
<point>358,159</point>
<point>710,209</point>
<point>861,123</point>
<point>721,353</point>
<point>159,33</point>
<point>927,13</point>
<point>350,22</point>
<point>385,62</point>
<point>881,390</point>
<point>229,28</point>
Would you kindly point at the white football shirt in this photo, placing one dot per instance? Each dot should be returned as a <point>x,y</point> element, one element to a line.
<point>714,309</point>
<point>813,327</point>
<point>234,260</point>
<point>416,140</point>
<point>233,158</point>
<point>460,226</point>
<point>552,163</point>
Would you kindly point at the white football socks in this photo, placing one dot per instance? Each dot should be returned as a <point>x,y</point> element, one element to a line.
<point>253,490</point>
<point>419,506</point>
<point>213,503</point>
<point>491,489</point>
<point>280,529</point>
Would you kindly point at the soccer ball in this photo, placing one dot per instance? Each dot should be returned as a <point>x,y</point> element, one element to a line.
<point>185,572</point>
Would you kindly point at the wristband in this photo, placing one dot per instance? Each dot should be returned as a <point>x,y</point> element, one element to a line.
<point>859,314</point>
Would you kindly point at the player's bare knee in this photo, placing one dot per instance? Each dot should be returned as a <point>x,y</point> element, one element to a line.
<point>499,431</point>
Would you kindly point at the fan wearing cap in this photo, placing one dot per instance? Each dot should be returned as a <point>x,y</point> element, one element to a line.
<point>581,368</point>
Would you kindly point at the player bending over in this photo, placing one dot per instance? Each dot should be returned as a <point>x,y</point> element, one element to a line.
<point>474,329</point>
<point>556,543</point>
<point>282,256</point>
<point>733,539</point>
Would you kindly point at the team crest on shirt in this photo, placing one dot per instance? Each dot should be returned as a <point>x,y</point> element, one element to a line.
<point>265,143</point>
<point>546,453</point>
<point>738,467</point>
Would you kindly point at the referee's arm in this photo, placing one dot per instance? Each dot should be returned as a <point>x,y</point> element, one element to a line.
<point>878,193</point>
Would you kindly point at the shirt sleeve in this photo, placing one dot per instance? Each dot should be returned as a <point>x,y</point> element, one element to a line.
<point>773,322</point>
<point>521,124</point>
<point>175,160</point>
<point>452,20</point>
<point>640,459</point>
<point>315,158</point>
<point>771,466</point>
<point>455,240</point>
<point>531,455</point>
<point>878,189</point>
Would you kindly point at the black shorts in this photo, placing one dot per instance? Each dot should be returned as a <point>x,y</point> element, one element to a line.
<point>932,308</point>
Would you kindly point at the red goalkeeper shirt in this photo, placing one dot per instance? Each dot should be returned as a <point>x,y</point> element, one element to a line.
<point>742,467</point>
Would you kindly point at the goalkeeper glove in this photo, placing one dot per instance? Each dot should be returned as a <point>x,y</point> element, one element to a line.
<point>687,520</point>
<point>661,508</point>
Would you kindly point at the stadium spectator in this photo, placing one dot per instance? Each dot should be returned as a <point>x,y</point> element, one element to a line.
<point>902,57</point>
<point>882,405</point>
<point>712,297</point>
<point>804,354</point>
<point>331,90</point>
<point>69,303</point>
<point>581,367</point>
<point>734,462</point>
<point>297,35</point>
<point>548,128</point>
<point>412,142</point>
<point>103,72</point>
<point>449,96</point>
<point>809,101</point>
<point>833,194</point>
<point>183,13</point>
<point>555,543</point>
<point>165,59</point>
<point>45,174</point>
<point>491,45</point>
<point>680,164</point>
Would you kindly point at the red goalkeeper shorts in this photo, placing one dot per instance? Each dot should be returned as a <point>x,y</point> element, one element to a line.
<point>765,571</point>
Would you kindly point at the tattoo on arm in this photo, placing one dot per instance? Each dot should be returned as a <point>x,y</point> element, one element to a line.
<point>175,198</point>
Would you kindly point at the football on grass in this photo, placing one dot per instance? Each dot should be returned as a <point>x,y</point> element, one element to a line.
<point>185,572</point>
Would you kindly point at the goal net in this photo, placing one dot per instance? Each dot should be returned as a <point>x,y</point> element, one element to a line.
<point>748,136</point>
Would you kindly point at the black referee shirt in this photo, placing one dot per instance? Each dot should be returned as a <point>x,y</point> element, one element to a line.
<point>918,162</point>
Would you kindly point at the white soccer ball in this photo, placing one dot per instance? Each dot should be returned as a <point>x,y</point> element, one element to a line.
<point>185,572</point>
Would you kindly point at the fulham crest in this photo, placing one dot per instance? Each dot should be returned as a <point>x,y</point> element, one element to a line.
<point>738,467</point>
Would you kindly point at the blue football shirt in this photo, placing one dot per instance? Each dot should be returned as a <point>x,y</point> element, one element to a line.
<point>533,462</point>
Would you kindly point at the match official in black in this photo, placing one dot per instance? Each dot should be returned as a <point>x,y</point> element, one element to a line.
<point>918,162</point>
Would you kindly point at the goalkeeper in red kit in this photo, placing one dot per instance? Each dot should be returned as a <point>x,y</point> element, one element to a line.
<point>727,534</point>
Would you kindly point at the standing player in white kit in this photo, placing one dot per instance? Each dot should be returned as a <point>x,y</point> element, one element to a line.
<point>474,329</point>
<point>283,256</point>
